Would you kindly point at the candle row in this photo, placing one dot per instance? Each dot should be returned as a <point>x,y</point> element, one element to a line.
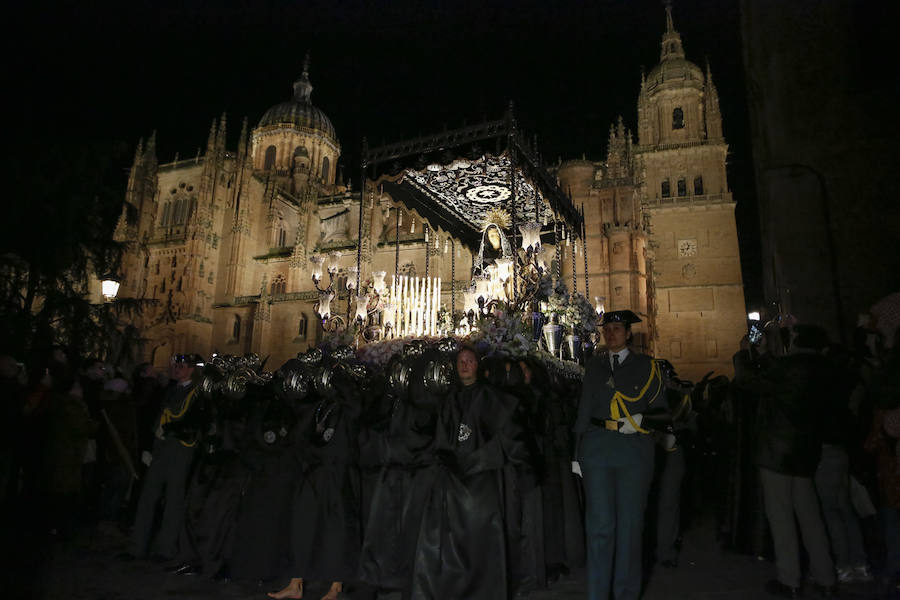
<point>412,306</point>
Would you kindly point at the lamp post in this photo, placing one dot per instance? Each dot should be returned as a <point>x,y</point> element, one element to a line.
<point>109,287</point>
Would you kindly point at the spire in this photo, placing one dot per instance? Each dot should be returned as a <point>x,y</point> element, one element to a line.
<point>709,81</point>
<point>149,156</point>
<point>671,39</point>
<point>220,137</point>
<point>151,145</point>
<point>242,141</point>
<point>302,87</point>
<point>211,142</point>
<point>138,154</point>
<point>712,112</point>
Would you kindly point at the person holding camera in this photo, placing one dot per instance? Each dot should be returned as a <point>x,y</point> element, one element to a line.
<point>788,450</point>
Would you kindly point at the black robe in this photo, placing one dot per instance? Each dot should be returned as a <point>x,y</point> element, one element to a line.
<point>461,551</point>
<point>562,497</point>
<point>215,491</point>
<point>398,501</point>
<point>325,525</point>
<point>262,541</point>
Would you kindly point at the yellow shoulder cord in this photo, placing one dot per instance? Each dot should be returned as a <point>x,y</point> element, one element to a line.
<point>617,404</point>
<point>168,415</point>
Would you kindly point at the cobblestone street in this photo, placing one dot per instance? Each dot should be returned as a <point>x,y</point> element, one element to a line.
<point>88,569</point>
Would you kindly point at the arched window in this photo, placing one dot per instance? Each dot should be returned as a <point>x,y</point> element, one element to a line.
<point>682,187</point>
<point>678,118</point>
<point>180,281</point>
<point>179,212</point>
<point>302,326</point>
<point>665,190</point>
<point>279,286</point>
<point>301,152</point>
<point>325,168</point>
<point>167,212</point>
<point>281,237</point>
<point>270,158</point>
<point>698,185</point>
<point>193,208</point>
<point>236,328</point>
<point>162,286</point>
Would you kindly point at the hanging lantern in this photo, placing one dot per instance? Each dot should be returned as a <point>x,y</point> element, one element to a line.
<point>483,287</point>
<point>598,305</point>
<point>324,308</point>
<point>531,235</point>
<point>389,311</point>
<point>362,307</point>
<point>378,282</point>
<point>317,261</point>
<point>334,258</point>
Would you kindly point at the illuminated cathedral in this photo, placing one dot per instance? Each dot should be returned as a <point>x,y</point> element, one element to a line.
<point>223,241</point>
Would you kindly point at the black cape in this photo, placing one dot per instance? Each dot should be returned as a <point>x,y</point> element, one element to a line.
<point>462,545</point>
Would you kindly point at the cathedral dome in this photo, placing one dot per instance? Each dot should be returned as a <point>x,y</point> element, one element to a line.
<point>299,112</point>
<point>675,68</point>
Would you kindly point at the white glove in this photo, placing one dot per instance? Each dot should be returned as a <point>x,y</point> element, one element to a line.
<point>627,427</point>
<point>576,468</point>
<point>146,458</point>
<point>668,441</point>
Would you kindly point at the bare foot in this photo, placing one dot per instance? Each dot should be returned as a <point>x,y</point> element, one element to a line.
<point>293,590</point>
<point>336,588</point>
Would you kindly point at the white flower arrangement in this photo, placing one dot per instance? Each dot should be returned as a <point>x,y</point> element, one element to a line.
<point>377,354</point>
<point>446,323</point>
<point>579,315</point>
<point>503,334</point>
<point>339,337</point>
<point>557,303</point>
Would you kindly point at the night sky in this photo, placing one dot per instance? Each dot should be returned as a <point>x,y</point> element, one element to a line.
<point>96,73</point>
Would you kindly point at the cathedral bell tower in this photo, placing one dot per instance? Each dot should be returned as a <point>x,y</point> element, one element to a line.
<point>699,296</point>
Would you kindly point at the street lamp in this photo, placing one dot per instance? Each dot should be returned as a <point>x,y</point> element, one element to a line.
<point>109,287</point>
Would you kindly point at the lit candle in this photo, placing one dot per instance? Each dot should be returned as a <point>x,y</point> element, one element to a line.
<point>362,307</point>
<point>428,291</point>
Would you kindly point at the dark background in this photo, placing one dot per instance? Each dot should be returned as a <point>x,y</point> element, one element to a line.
<point>87,76</point>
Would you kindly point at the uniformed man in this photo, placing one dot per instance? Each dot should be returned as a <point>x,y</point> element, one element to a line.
<point>622,401</point>
<point>177,433</point>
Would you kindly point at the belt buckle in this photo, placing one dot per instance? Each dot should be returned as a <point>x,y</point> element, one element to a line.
<point>612,425</point>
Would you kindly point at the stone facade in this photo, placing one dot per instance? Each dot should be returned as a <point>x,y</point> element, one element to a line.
<point>222,241</point>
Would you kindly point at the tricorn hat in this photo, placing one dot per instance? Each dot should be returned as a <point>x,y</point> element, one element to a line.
<point>194,360</point>
<point>620,316</point>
